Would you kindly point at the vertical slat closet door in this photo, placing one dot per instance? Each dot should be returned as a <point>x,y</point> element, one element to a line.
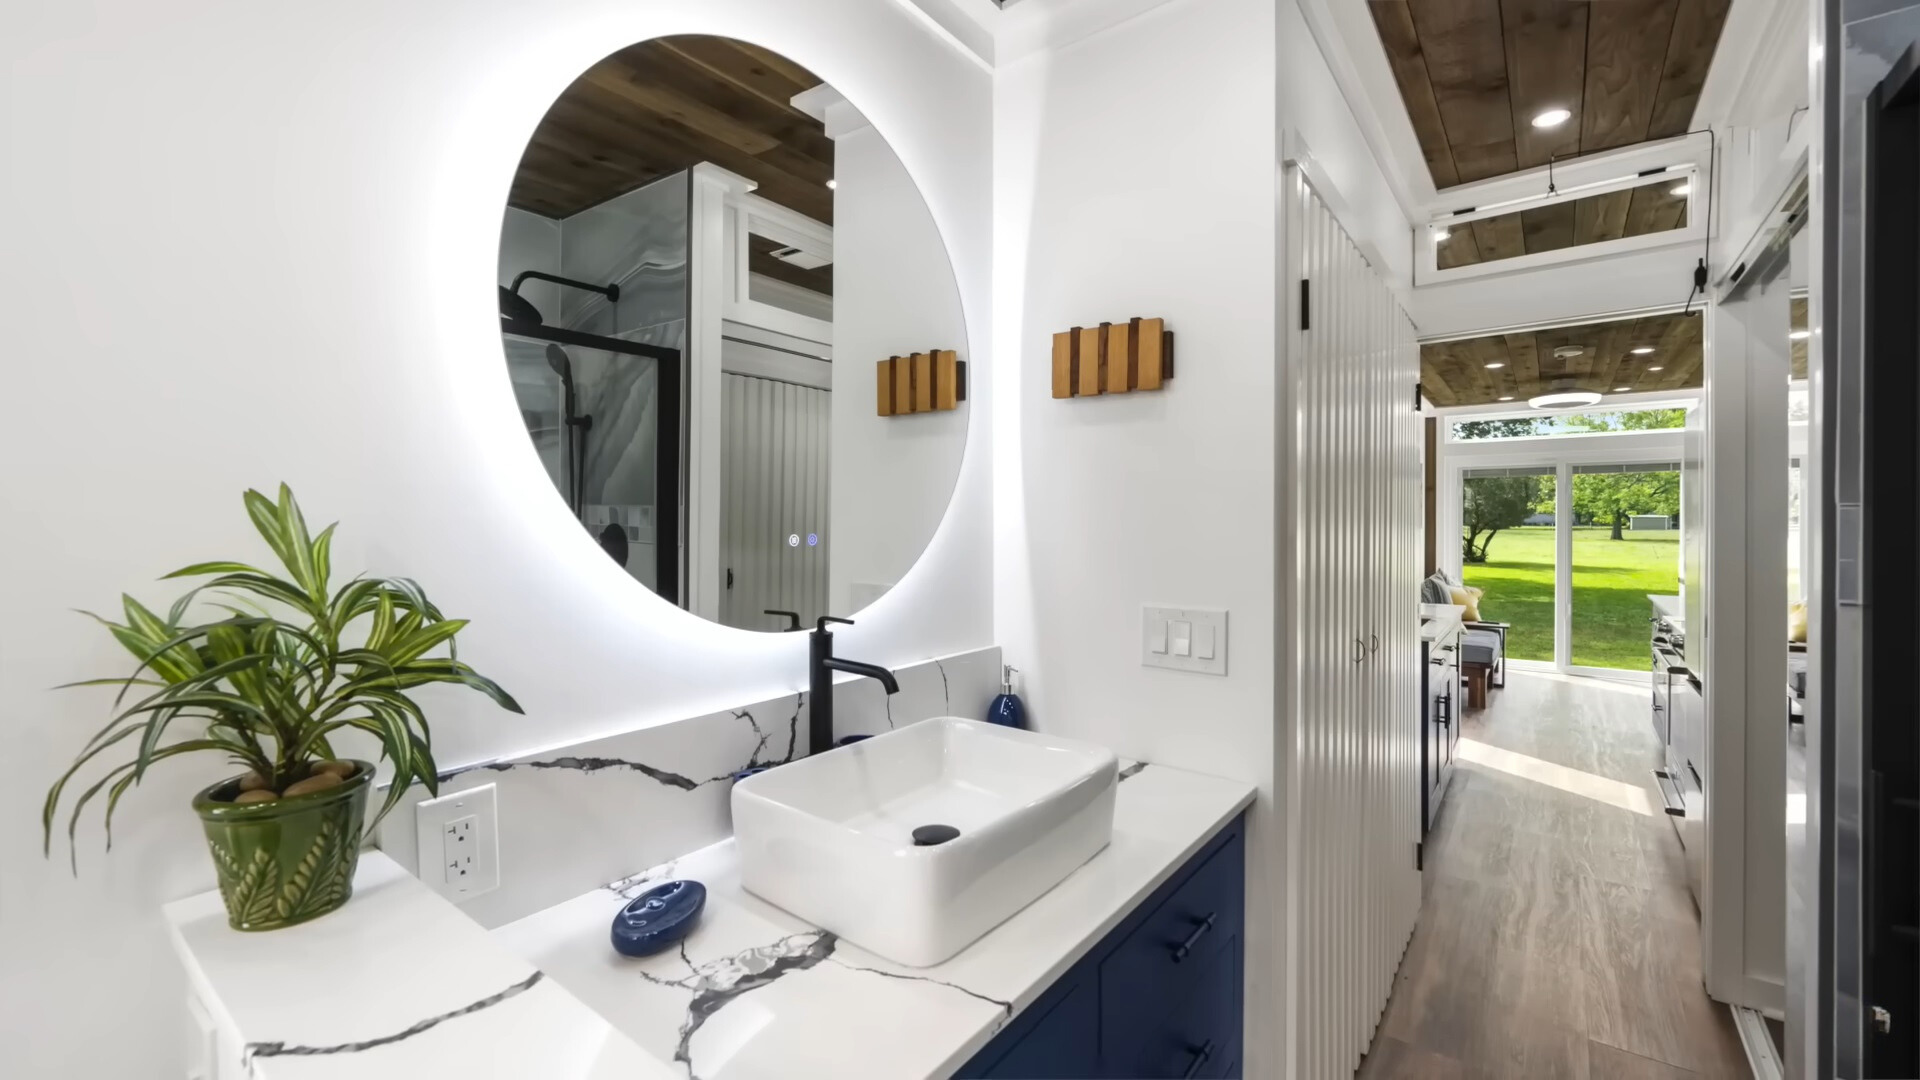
<point>1357,894</point>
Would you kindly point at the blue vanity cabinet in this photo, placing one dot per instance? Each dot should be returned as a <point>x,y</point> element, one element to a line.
<point>1160,996</point>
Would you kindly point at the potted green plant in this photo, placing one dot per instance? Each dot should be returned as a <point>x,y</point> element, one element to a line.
<point>293,663</point>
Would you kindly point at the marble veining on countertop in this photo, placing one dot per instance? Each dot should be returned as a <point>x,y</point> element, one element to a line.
<point>399,983</point>
<point>755,992</point>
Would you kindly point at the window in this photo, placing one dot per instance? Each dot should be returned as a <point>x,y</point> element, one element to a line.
<point>1597,422</point>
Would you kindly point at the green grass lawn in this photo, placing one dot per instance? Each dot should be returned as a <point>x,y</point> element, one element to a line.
<point>1611,580</point>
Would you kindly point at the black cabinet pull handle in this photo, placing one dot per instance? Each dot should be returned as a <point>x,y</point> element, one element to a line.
<point>1184,948</point>
<point>1200,1056</point>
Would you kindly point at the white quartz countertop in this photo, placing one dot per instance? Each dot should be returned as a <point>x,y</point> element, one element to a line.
<point>756,993</point>
<point>1437,620</point>
<point>399,983</point>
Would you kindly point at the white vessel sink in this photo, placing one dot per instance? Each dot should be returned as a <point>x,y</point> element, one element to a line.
<point>830,838</point>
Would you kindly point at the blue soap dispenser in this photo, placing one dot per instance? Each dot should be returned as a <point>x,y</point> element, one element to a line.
<point>1007,710</point>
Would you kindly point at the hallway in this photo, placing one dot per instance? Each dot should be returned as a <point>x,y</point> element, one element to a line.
<point>1557,937</point>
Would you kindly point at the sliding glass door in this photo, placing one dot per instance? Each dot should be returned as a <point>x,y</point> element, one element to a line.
<point>1625,545</point>
<point>1510,553</point>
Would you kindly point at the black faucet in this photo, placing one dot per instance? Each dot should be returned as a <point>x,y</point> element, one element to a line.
<point>821,664</point>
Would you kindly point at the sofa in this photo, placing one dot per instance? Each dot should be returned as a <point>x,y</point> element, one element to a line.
<point>1483,644</point>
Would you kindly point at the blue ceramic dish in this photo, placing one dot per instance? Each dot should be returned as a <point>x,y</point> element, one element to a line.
<point>658,918</point>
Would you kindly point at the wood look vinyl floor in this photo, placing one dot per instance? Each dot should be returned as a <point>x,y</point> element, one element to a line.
<point>1557,938</point>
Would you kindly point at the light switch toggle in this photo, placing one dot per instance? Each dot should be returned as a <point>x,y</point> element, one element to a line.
<point>1184,639</point>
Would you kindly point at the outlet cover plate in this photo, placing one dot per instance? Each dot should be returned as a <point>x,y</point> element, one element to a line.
<point>1206,633</point>
<point>459,838</point>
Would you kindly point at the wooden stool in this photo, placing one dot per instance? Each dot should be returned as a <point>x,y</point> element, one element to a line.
<point>1476,676</point>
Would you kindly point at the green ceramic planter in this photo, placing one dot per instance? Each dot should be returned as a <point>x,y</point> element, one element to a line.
<point>285,862</point>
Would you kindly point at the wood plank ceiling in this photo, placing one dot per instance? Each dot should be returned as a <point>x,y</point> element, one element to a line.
<point>1474,74</point>
<point>1649,208</point>
<point>656,108</point>
<point>1456,373</point>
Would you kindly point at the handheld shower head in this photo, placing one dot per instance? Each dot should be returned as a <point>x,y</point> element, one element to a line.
<point>561,363</point>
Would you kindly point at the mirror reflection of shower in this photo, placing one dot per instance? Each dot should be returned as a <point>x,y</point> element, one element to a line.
<point>576,425</point>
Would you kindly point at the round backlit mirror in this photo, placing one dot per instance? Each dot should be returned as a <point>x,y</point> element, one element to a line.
<point>733,332</point>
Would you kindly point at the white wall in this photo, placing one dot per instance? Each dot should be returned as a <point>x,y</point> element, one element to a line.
<point>340,171</point>
<point>893,295</point>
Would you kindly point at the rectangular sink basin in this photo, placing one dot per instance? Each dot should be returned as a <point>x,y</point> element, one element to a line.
<point>830,839</point>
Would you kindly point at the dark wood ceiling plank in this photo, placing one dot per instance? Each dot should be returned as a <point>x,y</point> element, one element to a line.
<point>1547,228</point>
<point>1524,362</point>
<point>1409,66</point>
<point>1467,65</point>
<point>771,77</point>
<point>1626,53</point>
<point>1546,55</point>
<point>1601,217</point>
<point>652,63</point>
<point>1499,237</point>
<point>1434,382</point>
<point>1696,33</point>
<point>1458,249</point>
<point>617,79</point>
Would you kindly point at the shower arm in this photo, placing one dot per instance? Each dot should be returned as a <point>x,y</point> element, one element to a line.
<point>611,291</point>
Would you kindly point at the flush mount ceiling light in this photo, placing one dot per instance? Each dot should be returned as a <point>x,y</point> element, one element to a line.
<point>1681,189</point>
<point>1563,396</point>
<point>1642,350</point>
<point>1569,352</point>
<point>1552,118</point>
<point>1799,335</point>
<point>1496,364</point>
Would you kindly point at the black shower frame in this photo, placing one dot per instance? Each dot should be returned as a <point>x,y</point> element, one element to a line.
<point>668,453</point>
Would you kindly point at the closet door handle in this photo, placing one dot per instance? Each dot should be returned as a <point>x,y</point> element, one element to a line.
<point>1359,650</point>
<point>1185,948</point>
<point>1373,643</point>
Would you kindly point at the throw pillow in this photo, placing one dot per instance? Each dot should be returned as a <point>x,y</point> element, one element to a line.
<point>1470,599</point>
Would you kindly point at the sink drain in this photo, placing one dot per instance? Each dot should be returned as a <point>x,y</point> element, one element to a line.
<point>929,835</point>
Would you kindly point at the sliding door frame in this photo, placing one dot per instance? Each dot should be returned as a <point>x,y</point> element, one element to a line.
<point>1561,453</point>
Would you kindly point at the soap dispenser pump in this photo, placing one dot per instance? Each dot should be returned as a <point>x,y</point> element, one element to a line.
<point>1007,710</point>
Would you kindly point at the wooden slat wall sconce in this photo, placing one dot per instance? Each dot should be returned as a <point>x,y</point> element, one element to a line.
<point>932,381</point>
<point>1112,358</point>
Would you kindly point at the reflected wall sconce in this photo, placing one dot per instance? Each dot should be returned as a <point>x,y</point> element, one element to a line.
<point>931,381</point>
<point>1112,358</point>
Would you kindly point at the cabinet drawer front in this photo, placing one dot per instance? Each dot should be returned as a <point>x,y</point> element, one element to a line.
<point>1059,1047</point>
<point>1150,977</point>
<point>1199,1033</point>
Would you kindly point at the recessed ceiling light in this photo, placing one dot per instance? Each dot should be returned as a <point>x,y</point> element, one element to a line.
<point>1799,335</point>
<point>1441,234</point>
<point>1681,189</point>
<point>1656,367</point>
<point>831,184</point>
<point>1509,397</point>
<point>1496,364</point>
<point>1552,118</point>
<point>1621,389</point>
<point>1642,350</point>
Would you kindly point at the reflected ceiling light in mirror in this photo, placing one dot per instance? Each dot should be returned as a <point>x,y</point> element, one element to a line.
<point>1656,367</point>
<point>1509,397</point>
<point>1552,118</point>
<point>1643,350</point>
<point>1441,234</point>
<point>1621,389</point>
<point>1681,189</point>
<point>1496,365</point>
<point>832,184</point>
<point>1799,335</point>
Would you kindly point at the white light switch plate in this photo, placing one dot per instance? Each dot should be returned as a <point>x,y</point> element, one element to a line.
<point>1203,647</point>
<point>459,838</point>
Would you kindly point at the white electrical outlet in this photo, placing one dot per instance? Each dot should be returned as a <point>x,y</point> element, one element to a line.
<point>459,838</point>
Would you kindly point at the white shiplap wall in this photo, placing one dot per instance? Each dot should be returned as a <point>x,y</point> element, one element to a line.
<point>773,485</point>
<point>1349,757</point>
